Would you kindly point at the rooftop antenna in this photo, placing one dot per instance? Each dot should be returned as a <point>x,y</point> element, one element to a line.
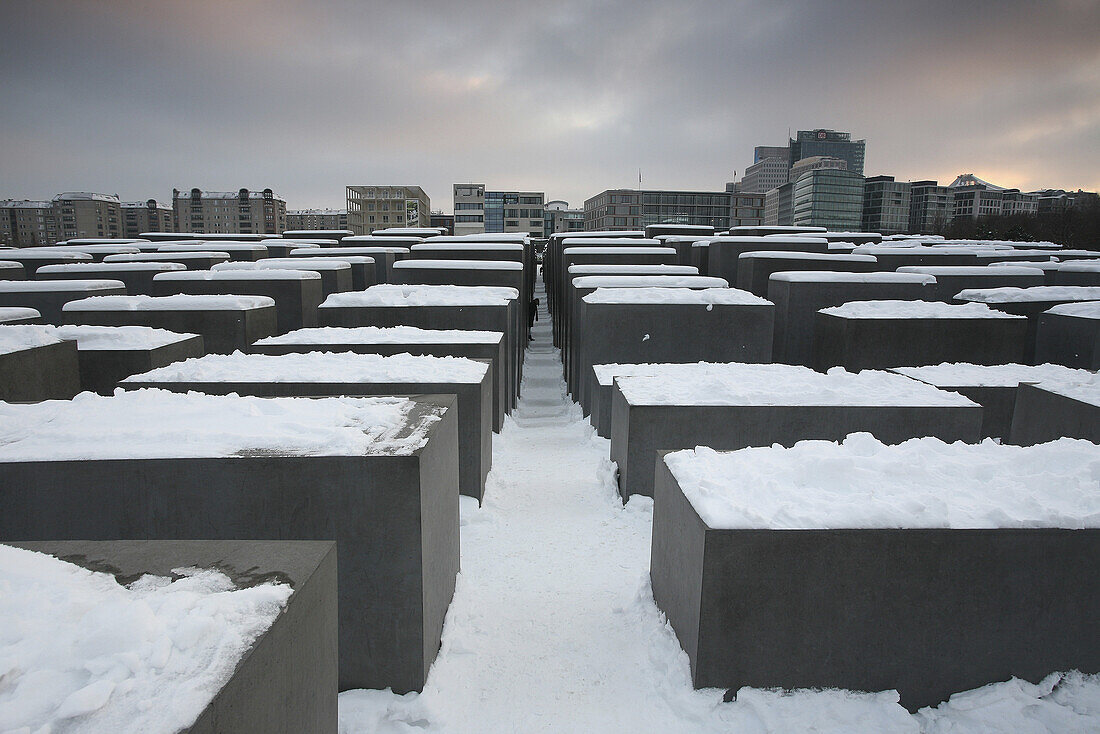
<point>639,179</point>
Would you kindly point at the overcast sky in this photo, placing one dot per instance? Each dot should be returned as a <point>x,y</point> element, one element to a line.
<point>569,97</point>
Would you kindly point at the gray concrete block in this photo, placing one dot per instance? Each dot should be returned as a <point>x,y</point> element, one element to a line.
<point>47,372</point>
<point>394,520</point>
<point>951,280</point>
<point>493,353</point>
<point>102,369</point>
<point>1073,341</point>
<point>48,298</point>
<point>1042,415</point>
<point>223,330</point>
<point>296,300</point>
<point>474,408</point>
<point>798,300</point>
<point>638,432</point>
<point>190,260</point>
<point>754,269</point>
<point>286,682</point>
<point>723,253</point>
<point>138,277</point>
<point>877,343</point>
<point>11,270</point>
<point>927,612</point>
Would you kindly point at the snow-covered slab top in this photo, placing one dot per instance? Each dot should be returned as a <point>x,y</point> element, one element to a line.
<point>458,265</point>
<point>1085,388</point>
<point>829,276</point>
<point>341,253</point>
<point>971,270</point>
<point>1081,310</point>
<point>779,384</point>
<point>148,657</point>
<point>112,267</point>
<point>916,250</point>
<point>179,302</point>
<point>45,286</point>
<point>42,253</point>
<point>337,233</point>
<point>915,310</point>
<point>771,239</point>
<point>684,238</point>
<point>223,245</point>
<point>164,256</point>
<point>721,295</point>
<point>649,281</point>
<point>321,367</point>
<point>964,374</point>
<point>921,483</point>
<point>302,244</point>
<point>18,337</point>
<point>382,335</point>
<point>431,245</point>
<point>368,239</point>
<point>286,263</point>
<point>625,269</point>
<point>100,338</point>
<point>788,255</point>
<point>235,274</point>
<point>569,242</point>
<point>8,313</point>
<point>1033,294</point>
<point>369,250</point>
<point>133,425</point>
<point>423,295</point>
<point>11,263</point>
<point>1081,266</point>
<point>781,227</point>
<point>82,241</point>
<point>1033,264</point>
<point>95,248</point>
<point>624,250</point>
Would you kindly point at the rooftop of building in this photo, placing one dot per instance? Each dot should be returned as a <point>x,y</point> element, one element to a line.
<point>306,212</point>
<point>190,193</point>
<point>24,204</point>
<point>86,196</point>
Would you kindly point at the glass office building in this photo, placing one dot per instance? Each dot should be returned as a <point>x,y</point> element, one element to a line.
<point>830,198</point>
<point>810,143</point>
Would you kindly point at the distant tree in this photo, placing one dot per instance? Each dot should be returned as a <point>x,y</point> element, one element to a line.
<point>1077,227</point>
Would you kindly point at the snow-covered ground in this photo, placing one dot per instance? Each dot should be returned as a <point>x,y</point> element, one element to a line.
<point>553,627</point>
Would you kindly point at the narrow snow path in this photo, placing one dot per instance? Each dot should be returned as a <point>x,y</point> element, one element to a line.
<point>553,627</point>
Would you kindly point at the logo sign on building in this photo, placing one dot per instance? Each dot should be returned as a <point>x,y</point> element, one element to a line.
<point>821,135</point>
<point>412,212</point>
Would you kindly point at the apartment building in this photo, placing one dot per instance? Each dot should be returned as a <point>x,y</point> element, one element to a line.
<point>316,219</point>
<point>146,216</point>
<point>84,214</point>
<point>477,210</point>
<point>633,209</point>
<point>25,223</point>
<point>386,206</point>
<point>228,212</point>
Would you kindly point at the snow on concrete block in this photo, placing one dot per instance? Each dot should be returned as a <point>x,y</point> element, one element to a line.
<point>733,406</point>
<point>952,279</point>
<point>754,269</point>
<point>227,323</point>
<point>238,251</point>
<point>348,373</point>
<point>36,364</point>
<point>1051,409</point>
<point>486,346</point>
<point>724,253</point>
<point>880,334</point>
<point>991,386</point>
<point>10,315</point>
<point>11,270</point>
<point>216,635</point>
<point>1070,335</point>
<point>377,475</point>
<point>857,565</point>
<point>108,354</point>
<point>203,260</point>
<point>798,295</point>
<point>49,297</point>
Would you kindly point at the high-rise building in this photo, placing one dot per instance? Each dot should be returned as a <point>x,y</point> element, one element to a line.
<point>762,152</point>
<point>766,174</point>
<point>830,198</point>
<point>814,163</point>
<point>929,207</point>
<point>27,223</point>
<point>380,207</point>
<point>633,209</point>
<point>228,212</point>
<point>316,219</point>
<point>885,205</point>
<point>778,206</point>
<point>746,209</point>
<point>810,143</point>
<point>478,210</point>
<point>145,216</point>
<point>84,214</point>
<point>559,217</point>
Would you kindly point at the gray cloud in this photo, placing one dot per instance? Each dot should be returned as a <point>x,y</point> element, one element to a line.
<point>568,97</point>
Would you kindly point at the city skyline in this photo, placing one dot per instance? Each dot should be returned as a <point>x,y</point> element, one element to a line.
<point>307,99</point>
